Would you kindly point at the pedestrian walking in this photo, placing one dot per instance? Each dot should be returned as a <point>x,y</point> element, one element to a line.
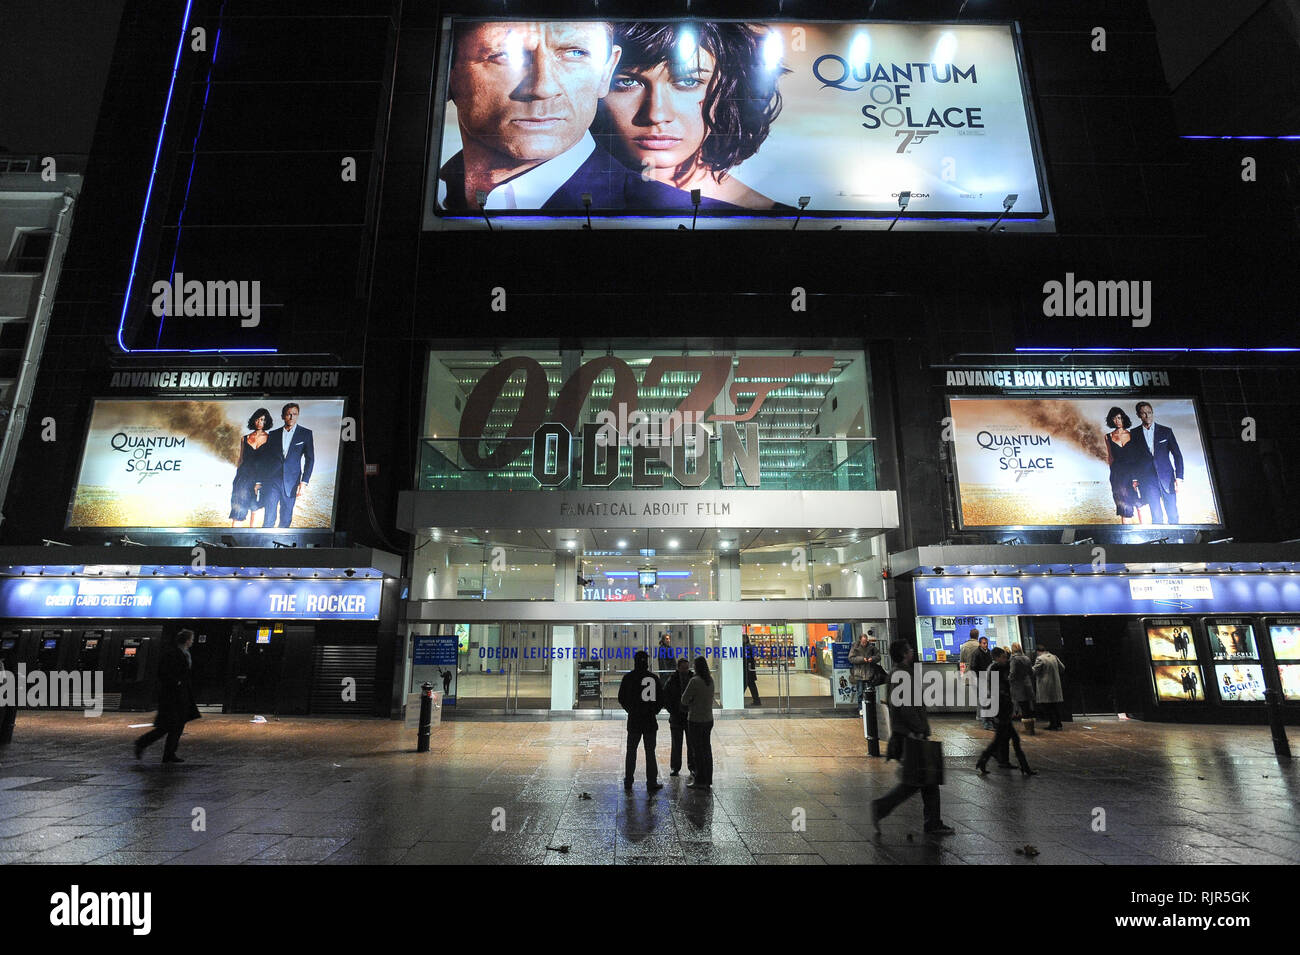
<point>698,700</point>
<point>1005,730</point>
<point>1047,687</point>
<point>176,705</point>
<point>1022,687</point>
<point>8,714</point>
<point>641,696</point>
<point>908,721</point>
<point>981,660</point>
<point>674,687</point>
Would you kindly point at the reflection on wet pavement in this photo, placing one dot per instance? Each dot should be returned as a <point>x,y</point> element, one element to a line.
<point>785,791</point>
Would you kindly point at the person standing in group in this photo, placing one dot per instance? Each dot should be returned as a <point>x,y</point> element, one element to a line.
<point>1022,687</point>
<point>968,649</point>
<point>176,705</point>
<point>1000,670</point>
<point>908,720</point>
<point>864,659</point>
<point>981,660</point>
<point>1047,681</point>
<point>641,696</point>
<point>698,700</point>
<point>966,658</point>
<point>674,687</point>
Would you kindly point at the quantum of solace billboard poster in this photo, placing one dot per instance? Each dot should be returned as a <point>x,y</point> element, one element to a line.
<point>210,463</point>
<point>636,114</point>
<point>1044,462</point>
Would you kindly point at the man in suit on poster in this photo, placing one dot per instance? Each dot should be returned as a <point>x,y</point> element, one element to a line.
<point>526,95</point>
<point>1166,467</point>
<point>298,458</point>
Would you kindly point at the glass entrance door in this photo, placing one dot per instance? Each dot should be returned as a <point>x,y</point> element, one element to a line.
<point>528,665</point>
<point>790,666</point>
<point>481,684</point>
<point>507,668</point>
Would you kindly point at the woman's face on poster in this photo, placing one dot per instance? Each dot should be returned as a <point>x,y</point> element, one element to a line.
<point>658,112</point>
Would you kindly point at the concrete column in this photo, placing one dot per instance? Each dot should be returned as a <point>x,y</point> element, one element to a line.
<point>728,575</point>
<point>566,576</point>
<point>563,668</point>
<point>732,669</point>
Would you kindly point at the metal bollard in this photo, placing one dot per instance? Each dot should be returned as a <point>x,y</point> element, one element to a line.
<point>873,723</point>
<point>426,718</point>
<point>1274,705</point>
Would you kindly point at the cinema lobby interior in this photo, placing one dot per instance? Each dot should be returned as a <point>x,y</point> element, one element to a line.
<point>737,557</point>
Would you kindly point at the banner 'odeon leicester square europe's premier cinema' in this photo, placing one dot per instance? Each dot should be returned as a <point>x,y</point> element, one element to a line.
<point>552,117</point>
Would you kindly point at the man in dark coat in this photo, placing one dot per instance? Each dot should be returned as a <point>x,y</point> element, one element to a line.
<point>981,660</point>
<point>176,705</point>
<point>673,688</point>
<point>8,714</point>
<point>751,670</point>
<point>1006,734</point>
<point>908,720</point>
<point>642,697</point>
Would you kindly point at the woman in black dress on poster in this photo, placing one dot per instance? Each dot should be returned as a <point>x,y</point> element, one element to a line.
<point>1126,460</point>
<point>252,476</point>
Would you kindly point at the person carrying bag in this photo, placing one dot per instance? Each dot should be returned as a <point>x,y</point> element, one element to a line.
<point>922,757</point>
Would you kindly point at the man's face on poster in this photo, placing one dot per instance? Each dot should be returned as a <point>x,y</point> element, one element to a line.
<point>290,416</point>
<point>1147,414</point>
<point>528,91</point>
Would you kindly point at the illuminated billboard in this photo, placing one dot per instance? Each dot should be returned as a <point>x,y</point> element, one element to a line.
<point>230,462</point>
<point>1240,682</point>
<point>1179,684</point>
<point>624,119</point>
<point>1049,462</point>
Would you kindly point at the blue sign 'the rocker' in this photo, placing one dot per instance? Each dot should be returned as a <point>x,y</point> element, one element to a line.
<point>199,598</point>
<point>1108,594</point>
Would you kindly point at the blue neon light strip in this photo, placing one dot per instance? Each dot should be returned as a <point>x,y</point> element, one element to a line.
<point>1289,136</point>
<point>194,158</point>
<point>1119,351</point>
<point>632,573</point>
<point>144,214</point>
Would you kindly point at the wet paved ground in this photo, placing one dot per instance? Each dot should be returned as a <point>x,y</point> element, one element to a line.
<point>341,791</point>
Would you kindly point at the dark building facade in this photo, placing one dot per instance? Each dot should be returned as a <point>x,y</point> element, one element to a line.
<point>296,146</point>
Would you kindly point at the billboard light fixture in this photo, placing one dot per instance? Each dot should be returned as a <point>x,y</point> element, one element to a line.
<point>803,204</point>
<point>481,198</point>
<point>695,214</point>
<point>1007,205</point>
<point>586,205</point>
<point>904,198</point>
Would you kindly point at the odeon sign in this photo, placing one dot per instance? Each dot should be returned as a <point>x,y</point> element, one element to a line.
<point>621,425</point>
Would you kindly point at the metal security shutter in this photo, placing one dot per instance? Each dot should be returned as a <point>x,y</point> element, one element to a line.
<point>330,666</point>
